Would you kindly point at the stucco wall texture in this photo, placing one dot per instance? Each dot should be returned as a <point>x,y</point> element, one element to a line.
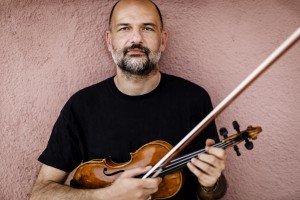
<point>50,49</point>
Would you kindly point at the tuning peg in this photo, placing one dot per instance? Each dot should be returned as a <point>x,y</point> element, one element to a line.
<point>249,145</point>
<point>236,126</point>
<point>223,132</point>
<point>236,149</point>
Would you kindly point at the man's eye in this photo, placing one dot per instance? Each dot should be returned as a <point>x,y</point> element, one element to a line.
<point>123,29</point>
<point>148,29</point>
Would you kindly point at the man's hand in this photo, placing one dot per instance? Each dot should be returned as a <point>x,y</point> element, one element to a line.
<point>50,185</point>
<point>208,166</point>
<point>127,187</point>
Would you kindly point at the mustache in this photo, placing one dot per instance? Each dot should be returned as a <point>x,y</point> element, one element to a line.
<point>136,46</point>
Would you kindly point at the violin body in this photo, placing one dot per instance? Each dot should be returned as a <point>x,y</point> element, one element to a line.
<point>103,172</point>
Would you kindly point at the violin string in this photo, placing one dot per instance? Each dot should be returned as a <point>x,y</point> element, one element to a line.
<point>199,151</point>
<point>180,162</point>
<point>188,157</point>
<point>194,154</point>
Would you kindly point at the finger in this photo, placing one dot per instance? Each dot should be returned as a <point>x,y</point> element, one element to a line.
<point>212,160</point>
<point>135,172</point>
<point>209,142</point>
<point>151,183</point>
<point>218,152</point>
<point>204,167</point>
<point>204,179</point>
<point>147,186</point>
<point>150,191</point>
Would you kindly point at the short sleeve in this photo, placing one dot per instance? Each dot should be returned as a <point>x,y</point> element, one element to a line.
<point>63,148</point>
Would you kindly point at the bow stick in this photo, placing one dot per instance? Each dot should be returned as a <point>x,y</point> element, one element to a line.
<point>226,102</point>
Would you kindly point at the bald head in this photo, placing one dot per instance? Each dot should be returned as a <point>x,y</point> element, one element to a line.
<point>137,2</point>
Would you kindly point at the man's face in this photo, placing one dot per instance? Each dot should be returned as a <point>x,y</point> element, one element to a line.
<point>136,39</point>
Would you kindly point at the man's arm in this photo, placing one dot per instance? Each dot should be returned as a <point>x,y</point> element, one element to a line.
<point>50,185</point>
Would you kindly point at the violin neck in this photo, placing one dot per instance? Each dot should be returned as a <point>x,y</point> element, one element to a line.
<point>181,162</point>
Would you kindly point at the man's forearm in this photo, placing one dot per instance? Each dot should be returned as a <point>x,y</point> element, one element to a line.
<point>52,190</point>
<point>216,192</point>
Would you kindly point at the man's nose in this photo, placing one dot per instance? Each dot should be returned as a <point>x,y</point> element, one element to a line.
<point>136,37</point>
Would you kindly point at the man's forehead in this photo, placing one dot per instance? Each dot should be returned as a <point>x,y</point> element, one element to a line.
<point>139,3</point>
<point>131,11</point>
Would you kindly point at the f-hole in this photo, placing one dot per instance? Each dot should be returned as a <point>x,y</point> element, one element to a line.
<point>113,173</point>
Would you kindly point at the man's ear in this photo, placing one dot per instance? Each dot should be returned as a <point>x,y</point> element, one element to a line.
<point>108,40</point>
<point>164,40</point>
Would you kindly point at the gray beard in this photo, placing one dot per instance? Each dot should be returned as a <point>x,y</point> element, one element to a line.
<point>141,65</point>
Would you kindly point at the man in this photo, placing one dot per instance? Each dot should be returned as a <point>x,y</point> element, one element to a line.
<point>138,105</point>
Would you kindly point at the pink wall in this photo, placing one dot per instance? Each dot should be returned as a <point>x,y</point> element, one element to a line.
<point>50,49</point>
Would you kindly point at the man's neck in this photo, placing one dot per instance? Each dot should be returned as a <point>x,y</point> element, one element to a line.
<point>134,85</point>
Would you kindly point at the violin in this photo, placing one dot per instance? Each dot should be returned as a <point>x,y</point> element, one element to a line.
<point>101,173</point>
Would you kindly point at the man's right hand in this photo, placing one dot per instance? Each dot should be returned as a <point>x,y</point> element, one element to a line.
<point>50,185</point>
<point>127,187</point>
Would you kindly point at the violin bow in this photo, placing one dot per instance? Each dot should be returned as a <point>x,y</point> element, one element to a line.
<point>290,41</point>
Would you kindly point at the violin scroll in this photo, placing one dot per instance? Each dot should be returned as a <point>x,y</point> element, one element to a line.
<point>232,141</point>
<point>253,132</point>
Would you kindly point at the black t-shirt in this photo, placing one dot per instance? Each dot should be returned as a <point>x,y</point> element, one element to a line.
<point>100,122</point>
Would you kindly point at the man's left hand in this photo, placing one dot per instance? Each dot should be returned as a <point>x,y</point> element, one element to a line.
<point>208,166</point>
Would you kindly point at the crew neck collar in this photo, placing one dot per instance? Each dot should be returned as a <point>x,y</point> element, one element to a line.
<point>117,92</point>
